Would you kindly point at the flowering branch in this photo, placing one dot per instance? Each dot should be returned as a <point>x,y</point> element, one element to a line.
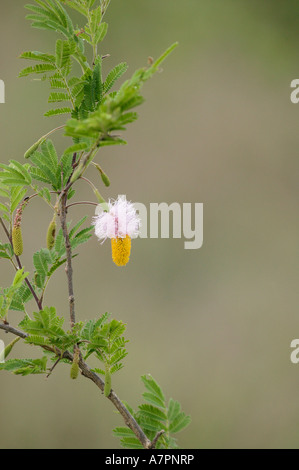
<point>85,370</point>
<point>96,114</point>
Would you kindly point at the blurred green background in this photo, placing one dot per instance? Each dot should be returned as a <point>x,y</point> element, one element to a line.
<point>214,325</point>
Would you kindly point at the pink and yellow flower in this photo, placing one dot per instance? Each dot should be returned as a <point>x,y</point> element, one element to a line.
<point>120,223</point>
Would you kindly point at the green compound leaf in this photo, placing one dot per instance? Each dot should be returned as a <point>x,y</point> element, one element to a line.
<point>37,69</point>
<point>115,74</point>
<point>38,56</point>
<point>155,416</point>
<point>152,386</point>
<point>58,112</point>
<point>14,174</point>
<point>58,97</point>
<point>25,366</point>
<point>179,423</point>
<point>46,329</point>
<point>150,411</point>
<point>106,340</point>
<point>50,15</point>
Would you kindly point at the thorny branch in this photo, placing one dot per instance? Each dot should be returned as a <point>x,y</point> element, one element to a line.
<point>85,370</point>
<point>69,267</point>
<point>96,379</point>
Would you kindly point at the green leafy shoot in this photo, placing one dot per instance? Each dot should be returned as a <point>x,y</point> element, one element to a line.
<point>154,416</point>
<point>25,366</point>
<point>46,261</point>
<point>46,330</point>
<point>105,339</point>
<point>7,294</point>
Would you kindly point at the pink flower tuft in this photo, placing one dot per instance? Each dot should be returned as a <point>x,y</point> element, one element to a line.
<point>120,221</point>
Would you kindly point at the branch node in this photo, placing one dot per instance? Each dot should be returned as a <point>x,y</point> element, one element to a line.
<point>155,440</point>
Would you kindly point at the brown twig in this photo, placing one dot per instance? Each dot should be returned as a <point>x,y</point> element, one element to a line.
<point>128,418</point>
<point>96,379</point>
<point>69,267</point>
<point>53,367</point>
<point>156,438</point>
<point>10,329</point>
<point>14,331</point>
<point>82,202</point>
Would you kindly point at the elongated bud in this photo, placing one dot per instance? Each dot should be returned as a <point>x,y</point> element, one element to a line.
<point>121,250</point>
<point>51,234</point>
<point>77,173</point>
<point>104,177</point>
<point>107,388</point>
<point>101,200</point>
<point>75,365</point>
<point>36,278</point>
<point>5,353</point>
<point>33,148</point>
<point>17,239</point>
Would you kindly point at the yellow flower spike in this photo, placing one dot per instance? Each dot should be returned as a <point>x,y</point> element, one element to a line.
<point>121,250</point>
<point>17,241</point>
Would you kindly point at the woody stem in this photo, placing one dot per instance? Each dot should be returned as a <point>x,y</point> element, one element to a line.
<point>69,267</point>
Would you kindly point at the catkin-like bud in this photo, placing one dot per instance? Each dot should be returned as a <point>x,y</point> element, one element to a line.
<point>77,173</point>
<point>74,371</point>
<point>107,388</point>
<point>17,240</point>
<point>121,250</point>
<point>104,177</point>
<point>75,365</point>
<point>51,234</point>
<point>33,148</point>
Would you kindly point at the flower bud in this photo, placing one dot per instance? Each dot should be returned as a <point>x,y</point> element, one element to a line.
<point>33,148</point>
<point>77,173</point>
<point>75,365</point>
<point>17,239</point>
<point>101,200</point>
<point>107,388</point>
<point>104,177</point>
<point>51,234</point>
